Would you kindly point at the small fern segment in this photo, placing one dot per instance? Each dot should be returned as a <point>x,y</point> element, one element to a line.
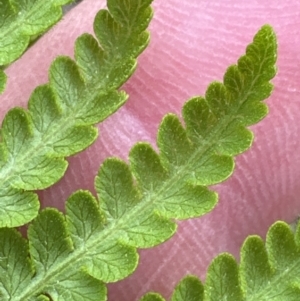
<point>3,79</point>
<point>96,241</point>
<point>60,117</point>
<point>22,20</point>
<point>189,288</point>
<point>266,272</point>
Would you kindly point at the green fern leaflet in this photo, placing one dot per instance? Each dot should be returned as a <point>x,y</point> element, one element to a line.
<point>60,117</point>
<point>22,21</point>
<point>189,288</point>
<point>72,256</point>
<point>3,79</point>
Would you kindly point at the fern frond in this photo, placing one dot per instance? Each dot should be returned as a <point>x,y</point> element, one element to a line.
<point>138,202</point>
<point>20,22</point>
<point>60,115</point>
<point>266,272</point>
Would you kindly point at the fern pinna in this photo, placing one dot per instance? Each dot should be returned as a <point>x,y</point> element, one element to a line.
<point>60,117</point>
<point>72,256</point>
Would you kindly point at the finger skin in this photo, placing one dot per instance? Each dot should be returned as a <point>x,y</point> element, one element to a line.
<point>192,44</point>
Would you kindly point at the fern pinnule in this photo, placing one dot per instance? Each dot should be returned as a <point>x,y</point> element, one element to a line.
<point>22,22</point>
<point>3,79</point>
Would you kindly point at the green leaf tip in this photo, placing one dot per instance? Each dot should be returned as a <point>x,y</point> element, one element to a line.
<point>138,202</point>
<point>3,79</point>
<point>61,115</point>
<point>189,288</point>
<point>267,271</point>
<point>152,297</point>
<point>23,20</point>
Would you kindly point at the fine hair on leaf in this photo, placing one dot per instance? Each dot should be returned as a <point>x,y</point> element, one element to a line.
<point>72,256</point>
